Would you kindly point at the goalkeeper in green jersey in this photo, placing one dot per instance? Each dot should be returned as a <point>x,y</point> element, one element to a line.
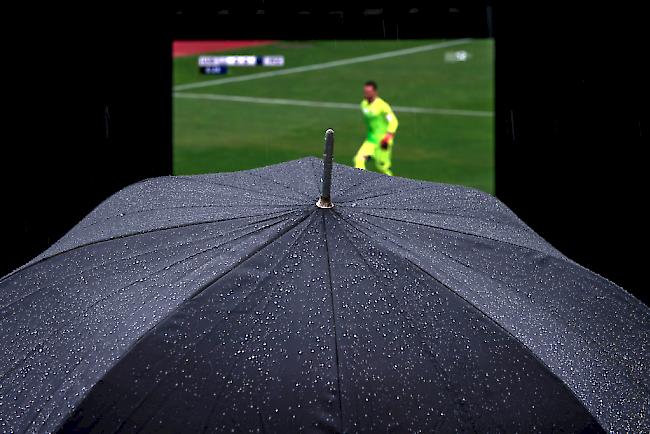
<point>382,124</point>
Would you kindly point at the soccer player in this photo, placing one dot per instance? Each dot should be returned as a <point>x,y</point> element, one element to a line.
<point>382,124</point>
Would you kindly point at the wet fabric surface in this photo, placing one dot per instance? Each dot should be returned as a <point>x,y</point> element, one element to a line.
<point>230,301</point>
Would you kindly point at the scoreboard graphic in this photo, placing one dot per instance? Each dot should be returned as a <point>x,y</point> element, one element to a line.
<point>219,65</point>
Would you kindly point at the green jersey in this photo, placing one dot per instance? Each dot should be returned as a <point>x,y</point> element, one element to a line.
<point>379,118</point>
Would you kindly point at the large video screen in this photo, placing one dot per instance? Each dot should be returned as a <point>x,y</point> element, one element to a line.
<point>421,109</point>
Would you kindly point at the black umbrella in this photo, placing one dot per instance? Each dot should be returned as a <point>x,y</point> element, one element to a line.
<point>232,301</point>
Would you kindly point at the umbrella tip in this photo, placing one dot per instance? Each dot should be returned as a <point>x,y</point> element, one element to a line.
<point>326,181</point>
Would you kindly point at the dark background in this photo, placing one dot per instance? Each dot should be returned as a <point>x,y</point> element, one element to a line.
<point>87,106</point>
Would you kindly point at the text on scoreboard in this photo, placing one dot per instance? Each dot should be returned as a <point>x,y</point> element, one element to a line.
<point>220,64</point>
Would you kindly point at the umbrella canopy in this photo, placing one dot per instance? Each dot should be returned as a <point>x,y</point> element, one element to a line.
<point>232,302</point>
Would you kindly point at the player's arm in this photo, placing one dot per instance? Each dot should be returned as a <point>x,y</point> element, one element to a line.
<point>392,127</point>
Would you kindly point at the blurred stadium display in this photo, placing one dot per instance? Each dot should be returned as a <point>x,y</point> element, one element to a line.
<point>250,116</point>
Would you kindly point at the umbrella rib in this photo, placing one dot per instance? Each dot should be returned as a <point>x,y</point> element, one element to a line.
<point>279,183</point>
<point>269,241</point>
<point>263,194</point>
<point>142,211</point>
<point>406,311</point>
<point>133,234</point>
<point>266,298</point>
<point>213,280</point>
<point>420,210</point>
<point>56,331</point>
<point>551,310</point>
<point>107,296</point>
<point>38,289</point>
<point>353,186</point>
<point>208,190</point>
<point>398,190</point>
<point>464,233</point>
<point>336,339</point>
<point>205,335</point>
<point>480,311</point>
<point>377,179</point>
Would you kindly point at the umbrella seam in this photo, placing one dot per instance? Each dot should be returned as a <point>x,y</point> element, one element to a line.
<point>412,319</point>
<point>205,335</point>
<point>376,177</point>
<point>365,183</point>
<point>420,210</point>
<point>336,339</point>
<point>470,234</point>
<point>106,297</point>
<point>531,352</point>
<point>556,251</point>
<point>562,256</point>
<point>278,183</point>
<point>103,264</point>
<point>211,205</point>
<point>396,191</point>
<point>132,234</point>
<point>546,307</point>
<point>189,298</point>
<point>261,193</point>
<point>259,248</point>
<point>279,262</point>
<point>182,243</point>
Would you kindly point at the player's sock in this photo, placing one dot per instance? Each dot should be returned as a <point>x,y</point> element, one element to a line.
<point>360,161</point>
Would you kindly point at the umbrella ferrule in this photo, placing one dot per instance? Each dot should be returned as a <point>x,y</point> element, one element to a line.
<point>324,203</point>
<point>326,181</point>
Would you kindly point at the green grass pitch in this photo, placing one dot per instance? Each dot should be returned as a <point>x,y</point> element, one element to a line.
<point>216,136</point>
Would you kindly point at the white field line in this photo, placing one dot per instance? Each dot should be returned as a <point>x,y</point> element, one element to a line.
<point>325,104</point>
<point>318,66</point>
